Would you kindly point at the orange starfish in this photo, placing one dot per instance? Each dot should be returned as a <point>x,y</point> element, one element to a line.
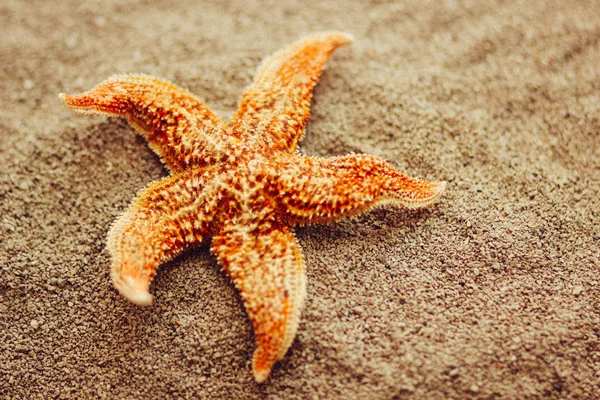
<point>242,184</point>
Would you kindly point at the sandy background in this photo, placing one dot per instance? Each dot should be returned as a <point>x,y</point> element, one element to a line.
<point>492,293</point>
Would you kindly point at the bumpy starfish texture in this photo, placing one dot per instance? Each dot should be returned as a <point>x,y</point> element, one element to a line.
<point>242,184</point>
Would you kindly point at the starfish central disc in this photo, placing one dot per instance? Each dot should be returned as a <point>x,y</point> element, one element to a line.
<point>241,186</point>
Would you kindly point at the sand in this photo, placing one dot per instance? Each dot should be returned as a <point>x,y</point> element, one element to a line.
<point>493,293</point>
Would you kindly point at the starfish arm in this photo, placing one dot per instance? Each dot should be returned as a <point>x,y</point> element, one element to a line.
<point>178,126</point>
<point>315,190</point>
<point>168,217</point>
<point>277,103</point>
<point>266,265</point>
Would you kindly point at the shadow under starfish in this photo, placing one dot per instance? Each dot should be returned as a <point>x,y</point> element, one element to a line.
<point>243,185</point>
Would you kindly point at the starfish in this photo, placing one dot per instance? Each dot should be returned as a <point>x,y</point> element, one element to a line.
<point>242,186</point>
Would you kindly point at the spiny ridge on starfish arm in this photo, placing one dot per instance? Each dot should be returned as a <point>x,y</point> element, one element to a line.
<point>241,186</point>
